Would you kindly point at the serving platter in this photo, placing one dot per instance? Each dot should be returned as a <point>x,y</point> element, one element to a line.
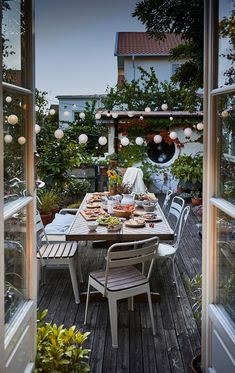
<point>135,223</point>
<point>92,214</point>
<point>150,217</point>
<point>93,205</point>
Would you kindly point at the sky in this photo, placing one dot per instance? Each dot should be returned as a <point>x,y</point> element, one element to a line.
<point>75,42</point>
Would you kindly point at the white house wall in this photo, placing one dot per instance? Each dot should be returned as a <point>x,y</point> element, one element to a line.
<point>161,65</point>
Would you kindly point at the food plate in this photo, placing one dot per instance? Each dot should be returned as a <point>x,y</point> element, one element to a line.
<point>93,205</point>
<point>92,214</point>
<point>135,223</point>
<point>108,220</point>
<point>150,217</point>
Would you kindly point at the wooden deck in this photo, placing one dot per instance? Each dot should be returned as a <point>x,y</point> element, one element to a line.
<point>178,337</point>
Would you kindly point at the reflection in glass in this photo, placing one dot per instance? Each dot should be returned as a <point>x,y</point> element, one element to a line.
<point>15,264</point>
<point>226,263</point>
<point>226,48</point>
<point>14,107</point>
<point>226,148</point>
<point>13,41</point>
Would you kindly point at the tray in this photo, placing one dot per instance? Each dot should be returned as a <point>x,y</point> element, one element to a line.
<point>93,205</point>
<point>93,215</point>
<point>150,217</point>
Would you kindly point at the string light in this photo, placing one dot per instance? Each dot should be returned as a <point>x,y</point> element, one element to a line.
<point>37,128</point>
<point>82,139</point>
<point>157,139</point>
<point>102,140</point>
<point>188,132</point>
<point>12,119</point>
<point>200,126</point>
<point>58,134</point>
<point>21,140</point>
<point>141,117</point>
<point>36,108</point>
<point>225,114</point>
<point>8,99</point>
<point>66,113</point>
<point>173,135</point>
<point>147,109</point>
<point>8,139</point>
<point>139,140</point>
<point>125,141</point>
<point>130,114</point>
<point>82,115</point>
<point>52,111</point>
<point>115,115</point>
<point>171,117</point>
<point>164,107</point>
<point>97,116</point>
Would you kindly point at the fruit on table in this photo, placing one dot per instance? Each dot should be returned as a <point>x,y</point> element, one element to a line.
<point>124,208</point>
<point>142,197</point>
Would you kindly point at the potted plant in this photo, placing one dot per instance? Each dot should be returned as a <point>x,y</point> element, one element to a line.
<point>196,197</point>
<point>115,181</point>
<point>113,159</point>
<point>195,289</point>
<point>60,349</point>
<point>189,171</point>
<point>46,201</point>
<point>149,172</point>
<point>103,164</point>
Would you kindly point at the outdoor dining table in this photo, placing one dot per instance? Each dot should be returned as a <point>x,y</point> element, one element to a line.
<point>78,231</point>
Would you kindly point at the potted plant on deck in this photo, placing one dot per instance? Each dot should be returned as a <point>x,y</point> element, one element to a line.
<point>113,159</point>
<point>115,181</point>
<point>189,171</point>
<point>103,166</point>
<point>46,202</point>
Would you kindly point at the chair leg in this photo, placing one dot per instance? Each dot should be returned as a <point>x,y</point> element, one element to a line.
<point>175,278</point>
<point>151,311</point>
<point>74,280</point>
<point>113,320</point>
<point>79,270</point>
<point>87,301</point>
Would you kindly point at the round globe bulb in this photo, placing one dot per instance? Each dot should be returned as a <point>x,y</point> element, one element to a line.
<point>188,132</point>
<point>58,134</point>
<point>8,139</point>
<point>52,111</point>
<point>125,141</point>
<point>114,115</point>
<point>21,140</point>
<point>141,117</point>
<point>83,138</point>
<point>147,109</point>
<point>225,114</point>
<point>97,116</point>
<point>8,99</point>
<point>102,140</point>
<point>82,115</point>
<point>139,140</point>
<point>157,139</point>
<point>37,128</point>
<point>200,126</point>
<point>173,135</point>
<point>171,118</point>
<point>66,113</point>
<point>12,119</point>
<point>36,108</point>
<point>164,107</point>
<point>130,114</point>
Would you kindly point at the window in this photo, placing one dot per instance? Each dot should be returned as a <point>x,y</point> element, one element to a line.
<point>161,153</point>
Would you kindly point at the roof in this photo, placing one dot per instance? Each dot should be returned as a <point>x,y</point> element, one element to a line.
<point>80,97</point>
<point>141,44</point>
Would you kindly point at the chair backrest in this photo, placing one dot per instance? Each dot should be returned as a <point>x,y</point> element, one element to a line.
<point>137,252</point>
<point>167,199</point>
<point>182,222</point>
<point>176,207</point>
<point>40,230</point>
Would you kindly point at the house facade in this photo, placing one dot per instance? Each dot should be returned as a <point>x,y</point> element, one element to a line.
<point>137,49</point>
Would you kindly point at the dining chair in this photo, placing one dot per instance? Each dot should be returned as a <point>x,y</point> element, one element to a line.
<point>58,252</point>
<point>121,279</point>
<point>170,251</point>
<point>167,199</point>
<point>175,210</point>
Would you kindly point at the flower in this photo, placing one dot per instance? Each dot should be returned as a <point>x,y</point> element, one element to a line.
<point>114,178</point>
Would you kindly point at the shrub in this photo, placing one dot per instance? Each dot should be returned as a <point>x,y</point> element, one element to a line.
<point>60,350</point>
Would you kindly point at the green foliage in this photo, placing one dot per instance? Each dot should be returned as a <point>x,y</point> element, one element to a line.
<point>60,350</point>
<point>150,170</point>
<point>227,30</point>
<point>113,157</point>
<point>132,154</point>
<point>74,186</point>
<point>188,168</point>
<point>182,17</point>
<point>195,288</point>
<point>48,200</point>
<point>147,91</point>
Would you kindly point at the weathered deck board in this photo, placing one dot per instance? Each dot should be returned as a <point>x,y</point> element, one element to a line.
<point>177,336</point>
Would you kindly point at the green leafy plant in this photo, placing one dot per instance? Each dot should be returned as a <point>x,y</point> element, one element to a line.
<point>60,350</point>
<point>113,156</point>
<point>102,162</point>
<point>150,170</point>
<point>75,186</point>
<point>195,288</point>
<point>47,201</point>
<point>188,168</point>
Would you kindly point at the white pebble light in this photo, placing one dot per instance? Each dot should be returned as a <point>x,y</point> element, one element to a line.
<point>139,140</point>
<point>58,134</point>
<point>83,138</point>
<point>125,141</point>
<point>157,139</point>
<point>102,140</point>
<point>12,119</point>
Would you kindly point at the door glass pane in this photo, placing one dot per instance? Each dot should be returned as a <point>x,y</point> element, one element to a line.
<point>15,264</point>
<point>14,42</point>
<point>15,143</point>
<point>226,147</point>
<point>226,48</point>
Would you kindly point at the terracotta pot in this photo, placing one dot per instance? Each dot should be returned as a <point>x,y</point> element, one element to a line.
<point>54,211</point>
<point>196,201</point>
<point>46,218</point>
<point>196,364</point>
<point>113,163</point>
<point>103,170</point>
<point>112,191</point>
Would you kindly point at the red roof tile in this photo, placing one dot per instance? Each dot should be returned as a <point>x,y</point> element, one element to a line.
<point>140,43</point>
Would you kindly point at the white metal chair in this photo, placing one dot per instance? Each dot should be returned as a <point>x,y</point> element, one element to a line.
<point>170,251</point>
<point>167,199</point>
<point>121,279</point>
<point>58,252</point>
<point>176,208</point>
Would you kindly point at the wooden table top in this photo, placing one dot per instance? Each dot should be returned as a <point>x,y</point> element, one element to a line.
<point>79,231</point>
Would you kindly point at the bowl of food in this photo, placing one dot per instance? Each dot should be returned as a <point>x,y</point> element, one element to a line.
<point>149,206</point>
<point>114,224</point>
<point>123,211</point>
<point>92,225</point>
